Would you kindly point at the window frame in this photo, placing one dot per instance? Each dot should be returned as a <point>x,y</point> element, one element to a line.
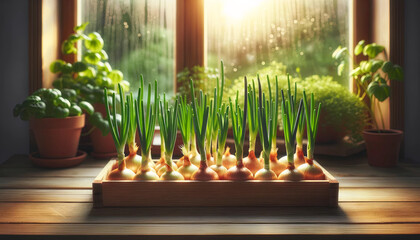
<point>190,40</point>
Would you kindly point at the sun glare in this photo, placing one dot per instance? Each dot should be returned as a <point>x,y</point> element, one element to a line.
<point>237,9</point>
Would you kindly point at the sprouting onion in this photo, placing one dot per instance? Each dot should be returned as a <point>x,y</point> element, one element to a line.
<point>185,125</point>
<point>223,119</point>
<point>168,126</point>
<point>133,160</point>
<point>211,125</point>
<point>228,159</point>
<point>160,167</point>
<point>200,118</point>
<point>195,157</point>
<point>290,122</point>
<point>217,108</point>
<point>119,132</point>
<point>299,157</point>
<point>310,170</point>
<point>239,172</point>
<point>146,120</point>
<point>251,162</point>
<point>276,166</point>
<point>267,118</point>
<point>275,120</point>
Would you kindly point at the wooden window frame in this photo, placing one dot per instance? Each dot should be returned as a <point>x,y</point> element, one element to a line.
<point>190,40</point>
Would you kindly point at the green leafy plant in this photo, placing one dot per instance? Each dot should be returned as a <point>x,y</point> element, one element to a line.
<point>92,73</point>
<point>89,76</point>
<point>204,78</point>
<point>51,103</point>
<point>372,76</point>
<point>338,102</point>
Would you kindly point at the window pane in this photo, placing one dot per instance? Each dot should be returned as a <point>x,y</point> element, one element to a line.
<point>139,37</point>
<point>250,35</point>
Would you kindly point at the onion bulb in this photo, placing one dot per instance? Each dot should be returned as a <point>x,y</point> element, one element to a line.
<point>311,171</point>
<point>209,159</point>
<point>145,172</point>
<point>171,174</point>
<point>187,169</point>
<point>299,157</point>
<point>220,170</point>
<point>204,173</point>
<point>239,173</point>
<point>265,174</point>
<point>164,168</point>
<point>195,157</point>
<point>252,163</point>
<point>291,174</point>
<point>278,166</point>
<point>133,161</point>
<point>228,160</point>
<point>121,173</point>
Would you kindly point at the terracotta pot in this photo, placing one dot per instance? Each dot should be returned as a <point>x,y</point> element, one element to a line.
<point>383,147</point>
<point>57,137</point>
<point>103,146</point>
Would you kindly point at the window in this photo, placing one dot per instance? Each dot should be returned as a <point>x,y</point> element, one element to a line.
<point>297,34</point>
<point>139,37</point>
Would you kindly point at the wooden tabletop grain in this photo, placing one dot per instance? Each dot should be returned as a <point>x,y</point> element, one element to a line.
<point>375,203</point>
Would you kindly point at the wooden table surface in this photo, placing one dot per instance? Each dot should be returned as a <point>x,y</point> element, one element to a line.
<point>375,203</point>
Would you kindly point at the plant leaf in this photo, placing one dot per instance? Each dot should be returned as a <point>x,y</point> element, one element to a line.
<point>376,64</point>
<point>379,90</point>
<point>366,78</point>
<point>372,50</point>
<point>340,68</point>
<point>359,47</point>
<point>339,53</point>
<point>81,27</point>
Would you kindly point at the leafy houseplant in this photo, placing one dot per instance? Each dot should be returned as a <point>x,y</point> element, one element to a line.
<point>203,78</point>
<point>56,118</point>
<point>342,113</point>
<point>88,77</point>
<point>372,77</point>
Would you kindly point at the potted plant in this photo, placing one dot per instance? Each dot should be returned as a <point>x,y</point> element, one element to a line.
<point>56,119</point>
<point>342,113</point>
<point>88,77</point>
<point>372,77</point>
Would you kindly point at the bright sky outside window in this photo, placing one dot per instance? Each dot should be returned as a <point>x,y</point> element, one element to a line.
<point>301,35</point>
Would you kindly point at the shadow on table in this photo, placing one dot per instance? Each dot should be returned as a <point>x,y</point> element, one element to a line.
<point>218,215</point>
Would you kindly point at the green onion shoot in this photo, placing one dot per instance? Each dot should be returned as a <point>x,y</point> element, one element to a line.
<point>299,157</point>
<point>267,127</point>
<point>310,170</point>
<point>119,132</point>
<point>290,124</point>
<point>185,126</point>
<point>223,119</point>
<point>168,127</point>
<point>239,116</point>
<point>200,119</point>
<point>146,117</point>
<point>251,161</point>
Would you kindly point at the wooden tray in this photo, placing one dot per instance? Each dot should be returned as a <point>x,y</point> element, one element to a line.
<point>133,193</point>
